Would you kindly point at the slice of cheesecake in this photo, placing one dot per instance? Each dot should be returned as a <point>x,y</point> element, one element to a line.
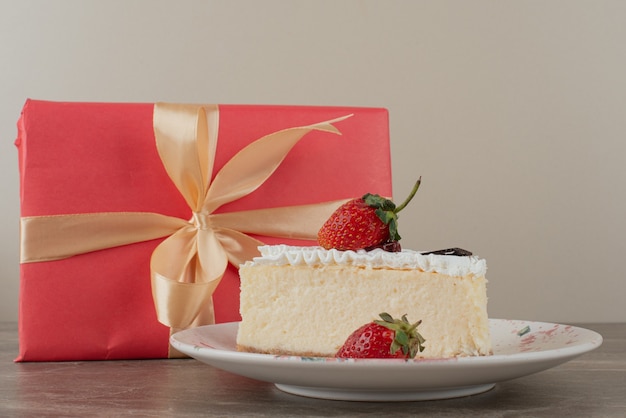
<point>306,300</point>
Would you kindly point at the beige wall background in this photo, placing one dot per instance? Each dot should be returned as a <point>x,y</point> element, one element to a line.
<point>513,113</point>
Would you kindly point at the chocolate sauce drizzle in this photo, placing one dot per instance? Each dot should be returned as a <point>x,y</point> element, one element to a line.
<point>394,247</point>
<point>389,246</point>
<point>451,251</point>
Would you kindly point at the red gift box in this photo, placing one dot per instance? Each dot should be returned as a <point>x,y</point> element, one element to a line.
<point>90,171</point>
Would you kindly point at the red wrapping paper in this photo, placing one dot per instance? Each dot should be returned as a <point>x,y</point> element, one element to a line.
<point>97,157</point>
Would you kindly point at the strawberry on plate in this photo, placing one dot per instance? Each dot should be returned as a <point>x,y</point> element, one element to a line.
<point>386,338</point>
<point>364,223</point>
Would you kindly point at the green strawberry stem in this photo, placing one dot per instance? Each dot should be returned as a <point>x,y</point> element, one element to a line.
<point>408,199</point>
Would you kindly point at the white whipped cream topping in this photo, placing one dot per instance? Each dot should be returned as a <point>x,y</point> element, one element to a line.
<point>406,259</point>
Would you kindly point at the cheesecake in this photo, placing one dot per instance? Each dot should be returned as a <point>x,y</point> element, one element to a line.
<point>305,301</point>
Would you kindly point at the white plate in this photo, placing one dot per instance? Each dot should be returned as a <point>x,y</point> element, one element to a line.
<point>543,346</point>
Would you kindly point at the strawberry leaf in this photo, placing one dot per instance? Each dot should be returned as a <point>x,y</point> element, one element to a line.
<point>393,230</point>
<point>386,317</point>
<point>378,202</point>
<point>385,215</point>
<point>401,337</point>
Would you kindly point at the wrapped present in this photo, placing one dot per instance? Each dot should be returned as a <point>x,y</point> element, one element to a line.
<point>134,217</point>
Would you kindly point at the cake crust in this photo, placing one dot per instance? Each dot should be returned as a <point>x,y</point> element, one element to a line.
<point>246,349</point>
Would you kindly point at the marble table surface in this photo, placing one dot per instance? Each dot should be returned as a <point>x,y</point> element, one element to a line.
<point>593,385</point>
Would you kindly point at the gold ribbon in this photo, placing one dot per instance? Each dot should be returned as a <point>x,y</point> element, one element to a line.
<point>188,265</point>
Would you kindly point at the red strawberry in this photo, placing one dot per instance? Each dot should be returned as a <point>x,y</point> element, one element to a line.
<point>389,338</point>
<point>363,223</point>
